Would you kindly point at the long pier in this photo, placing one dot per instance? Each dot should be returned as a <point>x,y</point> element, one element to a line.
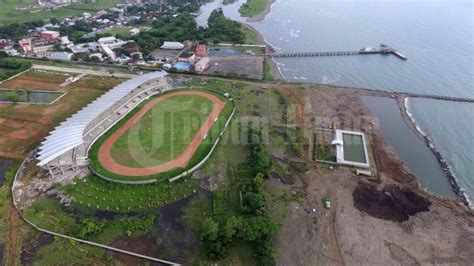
<point>384,49</point>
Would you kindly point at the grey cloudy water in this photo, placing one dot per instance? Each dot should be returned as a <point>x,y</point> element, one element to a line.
<point>450,126</point>
<point>231,10</point>
<point>411,148</point>
<point>437,37</point>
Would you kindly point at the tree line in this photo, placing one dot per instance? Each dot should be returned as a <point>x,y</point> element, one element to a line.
<point>253,224</point>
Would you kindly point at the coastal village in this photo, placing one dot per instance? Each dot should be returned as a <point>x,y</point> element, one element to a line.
<point>112,40</point>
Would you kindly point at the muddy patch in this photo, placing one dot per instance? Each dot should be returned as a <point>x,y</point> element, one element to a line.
<point>391,203</point>
<point>28,252</point>
<point>174,240</point>
<point>2,249</point>
<point>4,164</point>
<point>143,245</point>
<point>169,240</point>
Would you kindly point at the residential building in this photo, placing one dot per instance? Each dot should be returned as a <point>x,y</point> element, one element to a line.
<point>134,31</point>
<point>107,40</point>
<point>202,65</point>
<point>172,46</point>
<point>108,51</point>
<point>26,45</point>
<point>5,44</point>
<point>183,66</point>
<point>188,57</point>
<point>97,55</point>
<point>49,35</point>
<point>44,48</point>
<point>55,55</point>
<point>201,50</point>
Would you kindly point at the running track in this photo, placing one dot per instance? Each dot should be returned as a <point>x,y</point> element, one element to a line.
<point>105,155</point>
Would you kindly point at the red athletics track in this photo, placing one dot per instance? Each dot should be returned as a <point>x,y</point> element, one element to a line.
<point>105,155</point>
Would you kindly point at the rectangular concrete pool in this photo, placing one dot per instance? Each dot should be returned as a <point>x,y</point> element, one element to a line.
<point>353,148</point>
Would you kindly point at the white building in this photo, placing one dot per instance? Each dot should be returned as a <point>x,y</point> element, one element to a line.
<point>97,55</point>
<point>202,65</point>
<point>55,55</point>
<point>44,48</point>
<point>65,41</point>
<point>12,52</point>
<point>172,46</point>
<point>134,31</point>
<point>108,51</point>
<point>111,42</point>
<point>107,40</point>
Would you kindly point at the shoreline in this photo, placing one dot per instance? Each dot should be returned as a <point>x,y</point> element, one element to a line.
<point>261,16</point>
<point>274,68</point>
<point>407,116</point>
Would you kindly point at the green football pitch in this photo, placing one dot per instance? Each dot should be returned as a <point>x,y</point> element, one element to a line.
<point>163,132</point>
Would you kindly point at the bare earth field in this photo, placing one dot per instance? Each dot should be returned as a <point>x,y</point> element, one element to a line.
<point>372,231</point>
<point>22,126</point>
<point>239,66</point>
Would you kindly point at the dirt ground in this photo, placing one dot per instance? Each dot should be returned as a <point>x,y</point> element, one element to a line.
<point>22,126</point>
<point>389,225</point>
<point>237,66</point>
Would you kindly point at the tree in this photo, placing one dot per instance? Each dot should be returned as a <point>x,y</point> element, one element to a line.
<point>90,227</point>
<point>258,227</point>
<point>266,254</point>
<point>209,230</point>
<point>54,20</point>
<point>253,201</point>
<point>231,227</point>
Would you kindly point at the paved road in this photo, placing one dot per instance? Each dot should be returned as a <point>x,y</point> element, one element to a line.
<point>101,73</point>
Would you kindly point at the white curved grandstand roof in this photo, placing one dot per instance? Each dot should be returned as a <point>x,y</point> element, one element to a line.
<point>69,134</point>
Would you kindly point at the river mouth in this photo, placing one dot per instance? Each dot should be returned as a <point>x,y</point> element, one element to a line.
<point>410,148</point>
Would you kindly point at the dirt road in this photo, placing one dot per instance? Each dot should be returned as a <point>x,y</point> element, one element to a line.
<point>101,73</point>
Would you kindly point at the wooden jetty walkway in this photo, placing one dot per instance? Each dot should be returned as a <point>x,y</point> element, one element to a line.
<point>384,49</point>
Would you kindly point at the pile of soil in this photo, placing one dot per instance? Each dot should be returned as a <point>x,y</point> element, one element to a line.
<point>392,203</point>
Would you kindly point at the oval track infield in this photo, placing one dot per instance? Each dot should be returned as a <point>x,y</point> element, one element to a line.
<point>181,161</point>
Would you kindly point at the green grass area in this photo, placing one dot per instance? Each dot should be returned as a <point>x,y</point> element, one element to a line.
<point>122,31</point>
<point>9,14</point>
<point>47,213</point>
<point>163,132</point>
<point>98,194</point>
<point>50,76</point>
<point>251,35</point>
<point>69,64</point>
<point>6,200</point>
<point>322,151</point>
<point>72,253</point>
<point>267,71</point>
<point>253,7</point>
<point>201,152</point>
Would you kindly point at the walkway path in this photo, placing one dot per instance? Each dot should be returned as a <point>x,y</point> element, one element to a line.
<point>101,73</point>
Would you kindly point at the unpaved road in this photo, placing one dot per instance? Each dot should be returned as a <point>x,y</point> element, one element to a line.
<point>101,73</point>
